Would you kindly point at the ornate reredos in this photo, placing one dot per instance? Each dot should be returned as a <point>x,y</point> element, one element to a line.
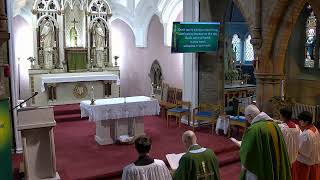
<point>74,22</point>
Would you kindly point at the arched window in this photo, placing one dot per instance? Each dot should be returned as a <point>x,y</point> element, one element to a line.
<point>236,46</point>
<point>311,32</point>
<point>248,49</point>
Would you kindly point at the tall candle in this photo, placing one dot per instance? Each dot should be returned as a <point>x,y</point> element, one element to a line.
<point>92,92</point>
<point>282,89</point>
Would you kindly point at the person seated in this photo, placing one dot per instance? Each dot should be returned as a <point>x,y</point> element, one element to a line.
<point>290,132</point>
<point>145,167</point>
<point>263,153</point>
<point>198,162</point>
<point>307,166</point>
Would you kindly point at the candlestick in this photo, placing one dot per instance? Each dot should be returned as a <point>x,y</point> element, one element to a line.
<point>92,96</point>
<point>282,89</point>
<point>152,90</point>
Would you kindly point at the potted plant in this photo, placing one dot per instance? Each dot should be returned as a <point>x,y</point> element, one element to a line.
<point>279,102</point>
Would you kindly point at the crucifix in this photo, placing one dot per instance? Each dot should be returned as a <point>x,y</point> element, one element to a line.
<point>74,22</point>
<point>205,175</point>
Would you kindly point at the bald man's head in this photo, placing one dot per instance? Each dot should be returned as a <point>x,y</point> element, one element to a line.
<point>189,138</point>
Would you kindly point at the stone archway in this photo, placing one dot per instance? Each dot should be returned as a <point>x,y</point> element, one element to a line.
<point>211,65</point>
<point>277,31</point>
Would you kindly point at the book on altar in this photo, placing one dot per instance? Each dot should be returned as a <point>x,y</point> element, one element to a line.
<point>174,159</point>
<point>236,141</point>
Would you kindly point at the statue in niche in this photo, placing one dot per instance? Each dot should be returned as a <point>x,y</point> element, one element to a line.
<point>310,44</point>
<point>156,76</point>
<point>74,35</point>
<point>47,43</point>
<point>99,44</point>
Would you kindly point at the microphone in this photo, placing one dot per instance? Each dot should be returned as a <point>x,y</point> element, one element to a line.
<point>34,94</point>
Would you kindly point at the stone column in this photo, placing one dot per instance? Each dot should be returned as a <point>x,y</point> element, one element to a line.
<point>190,60</point>
<point>268,85</point>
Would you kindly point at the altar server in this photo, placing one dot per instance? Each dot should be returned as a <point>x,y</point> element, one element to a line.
<point>263,152</point>
<point>198,162</point>
<point>307,166</point>
<point>290,132</point>
<point>222,123</point>
<point>145,167</point>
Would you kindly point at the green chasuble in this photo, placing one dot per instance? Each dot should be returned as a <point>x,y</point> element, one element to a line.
<point>198,164</point>
<point>263,152</point>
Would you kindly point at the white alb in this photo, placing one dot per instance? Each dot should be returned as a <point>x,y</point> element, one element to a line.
<point>155,171</point>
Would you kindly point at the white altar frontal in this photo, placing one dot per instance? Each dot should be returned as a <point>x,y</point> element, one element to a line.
<point>119,116</point>
<point>71,44</point>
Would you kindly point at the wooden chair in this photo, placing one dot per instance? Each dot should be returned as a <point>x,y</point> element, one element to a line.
<point>206,112</point>
<point>183,108</point>
<point>169,103</point>
<point>237,120</point>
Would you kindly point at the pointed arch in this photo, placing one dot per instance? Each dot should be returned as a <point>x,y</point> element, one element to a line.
<point>46,5</point>
<point>237,46</point>
<point>248,49</point>
<point>54,21</point>
<point>102,4</point>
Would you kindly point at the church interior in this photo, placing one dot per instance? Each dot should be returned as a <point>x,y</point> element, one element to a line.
<point>81,79</point>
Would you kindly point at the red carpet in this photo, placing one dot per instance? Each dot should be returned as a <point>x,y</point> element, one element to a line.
<point>80,157</point>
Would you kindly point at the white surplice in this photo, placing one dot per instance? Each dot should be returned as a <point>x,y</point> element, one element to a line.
<point>291,137</point>
<point>222,123</point>
<point>155,171</point>
<point>309,147</point>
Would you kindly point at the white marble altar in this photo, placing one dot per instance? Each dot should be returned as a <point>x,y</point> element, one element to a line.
<point>72,52</point>
<point>67,88</point>
<point>119,116</point>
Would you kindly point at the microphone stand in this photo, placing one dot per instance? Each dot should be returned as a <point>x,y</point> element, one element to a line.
<point>36,93</point>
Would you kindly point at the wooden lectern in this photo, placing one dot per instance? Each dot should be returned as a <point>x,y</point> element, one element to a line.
<point>35,124</point>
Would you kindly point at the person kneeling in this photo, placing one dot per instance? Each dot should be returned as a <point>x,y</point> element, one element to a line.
<point>145,168</point>
<point>198,162</point>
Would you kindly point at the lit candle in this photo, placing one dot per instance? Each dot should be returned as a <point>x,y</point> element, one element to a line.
<point>92,92</point>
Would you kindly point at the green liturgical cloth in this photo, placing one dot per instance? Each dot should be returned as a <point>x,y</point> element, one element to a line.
<point>76,60</point>
<point>263,152</point>
<point>198,164</point>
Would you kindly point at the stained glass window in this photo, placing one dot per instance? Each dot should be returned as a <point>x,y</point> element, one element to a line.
<point>311,29</point>
<point>236,46</point>
<point>248,49</point>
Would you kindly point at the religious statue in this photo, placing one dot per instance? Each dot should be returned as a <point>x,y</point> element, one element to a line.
<point>99,43</point>
<point>310,44</point>
<point>155,75</point>
<point>47,43</point>
<point>74,34</point>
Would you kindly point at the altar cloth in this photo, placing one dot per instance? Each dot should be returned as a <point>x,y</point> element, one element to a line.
<point>76,77</point>
<point>117,108</point>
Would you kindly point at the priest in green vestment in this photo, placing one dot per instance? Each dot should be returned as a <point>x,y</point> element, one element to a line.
<point>263,151</point>
<point>198,163</point>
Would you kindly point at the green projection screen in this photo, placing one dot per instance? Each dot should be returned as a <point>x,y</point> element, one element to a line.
<point>191,37</point>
